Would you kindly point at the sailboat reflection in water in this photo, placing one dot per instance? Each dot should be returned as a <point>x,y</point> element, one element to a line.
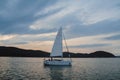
<point>57,53</point>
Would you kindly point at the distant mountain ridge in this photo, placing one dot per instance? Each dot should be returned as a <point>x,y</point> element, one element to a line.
<point>17,52</point>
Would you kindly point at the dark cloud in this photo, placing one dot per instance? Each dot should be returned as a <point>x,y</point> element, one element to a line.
<point>78,19</point>
<point>104,27</point>
<point>19,43</point>
<point>11,42</point>
<point>16,18</point>
<point>115,37</point>
<point>89,46</point>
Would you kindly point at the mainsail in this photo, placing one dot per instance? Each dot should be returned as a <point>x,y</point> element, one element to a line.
<point>57,47</point>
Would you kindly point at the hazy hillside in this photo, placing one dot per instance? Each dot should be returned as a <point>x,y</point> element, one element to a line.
<point>17,52</point>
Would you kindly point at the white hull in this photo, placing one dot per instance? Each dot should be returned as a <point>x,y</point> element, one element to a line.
<point>57,63</point>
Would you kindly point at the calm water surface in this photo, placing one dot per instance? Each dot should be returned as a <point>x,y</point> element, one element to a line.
<point>81,69</point>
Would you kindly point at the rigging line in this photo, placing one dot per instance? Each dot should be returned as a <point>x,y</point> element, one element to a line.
<point>65,43</point>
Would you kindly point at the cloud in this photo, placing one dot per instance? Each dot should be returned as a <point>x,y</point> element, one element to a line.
<point>85,43</point>
<point>90,46</point>
<point>104,27</point>
<point>26,38</point>
<point>17,16</point>
<point>37,45</point>
<point>52,20</point>
<point>115,37</point>
<point>93,12</point>
<point>6,37</point>
<point>92,43</point>
<point>95,42</point>
<point>94,23</point>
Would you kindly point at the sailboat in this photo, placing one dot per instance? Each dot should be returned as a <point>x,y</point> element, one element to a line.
<point>57,53</point>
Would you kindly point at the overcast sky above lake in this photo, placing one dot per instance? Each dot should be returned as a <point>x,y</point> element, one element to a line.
<point>88,25</point>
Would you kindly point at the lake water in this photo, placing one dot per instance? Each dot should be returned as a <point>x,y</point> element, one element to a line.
<point>81,69</point>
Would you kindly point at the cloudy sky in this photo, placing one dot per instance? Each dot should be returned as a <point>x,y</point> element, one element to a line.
<point>88,25</point>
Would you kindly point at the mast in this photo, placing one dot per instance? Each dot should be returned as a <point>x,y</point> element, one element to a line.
<point>66,46</point>
<point>65,43</point>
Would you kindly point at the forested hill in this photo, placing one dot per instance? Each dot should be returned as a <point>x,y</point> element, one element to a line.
<point>17,52</point>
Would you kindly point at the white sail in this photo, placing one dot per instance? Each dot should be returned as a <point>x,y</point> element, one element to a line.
<point>57,47</point>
